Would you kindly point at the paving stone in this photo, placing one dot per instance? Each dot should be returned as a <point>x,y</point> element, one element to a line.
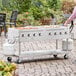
<point>52,67</point>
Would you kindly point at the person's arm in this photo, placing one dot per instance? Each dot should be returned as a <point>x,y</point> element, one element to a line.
<point>73,16</point>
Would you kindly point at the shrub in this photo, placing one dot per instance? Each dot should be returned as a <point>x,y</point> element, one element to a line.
<point>67,6</point>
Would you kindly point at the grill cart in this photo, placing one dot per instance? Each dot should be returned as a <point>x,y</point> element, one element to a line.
<point>38,33</point>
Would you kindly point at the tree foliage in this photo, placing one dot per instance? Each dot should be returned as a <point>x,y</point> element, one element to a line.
<point>24,5</point>
<point>54,4</point>
<point>37,8</point>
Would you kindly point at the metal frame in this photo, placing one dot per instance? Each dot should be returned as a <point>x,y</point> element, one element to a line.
<point>39,34</point>
<point>46,33</point>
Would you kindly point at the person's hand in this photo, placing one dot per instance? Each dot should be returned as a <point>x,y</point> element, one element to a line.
<point>65,24</point>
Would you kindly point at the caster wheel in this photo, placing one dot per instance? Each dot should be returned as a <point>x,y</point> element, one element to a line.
<point>65,56</point>
<point>9,59</point>
<point>55,56</point>
<point>18,61</point>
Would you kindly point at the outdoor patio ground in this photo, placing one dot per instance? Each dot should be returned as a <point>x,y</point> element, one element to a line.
<point>51,67</point>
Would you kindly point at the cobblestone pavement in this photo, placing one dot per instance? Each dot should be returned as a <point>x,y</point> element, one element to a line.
<point>51,67</point>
